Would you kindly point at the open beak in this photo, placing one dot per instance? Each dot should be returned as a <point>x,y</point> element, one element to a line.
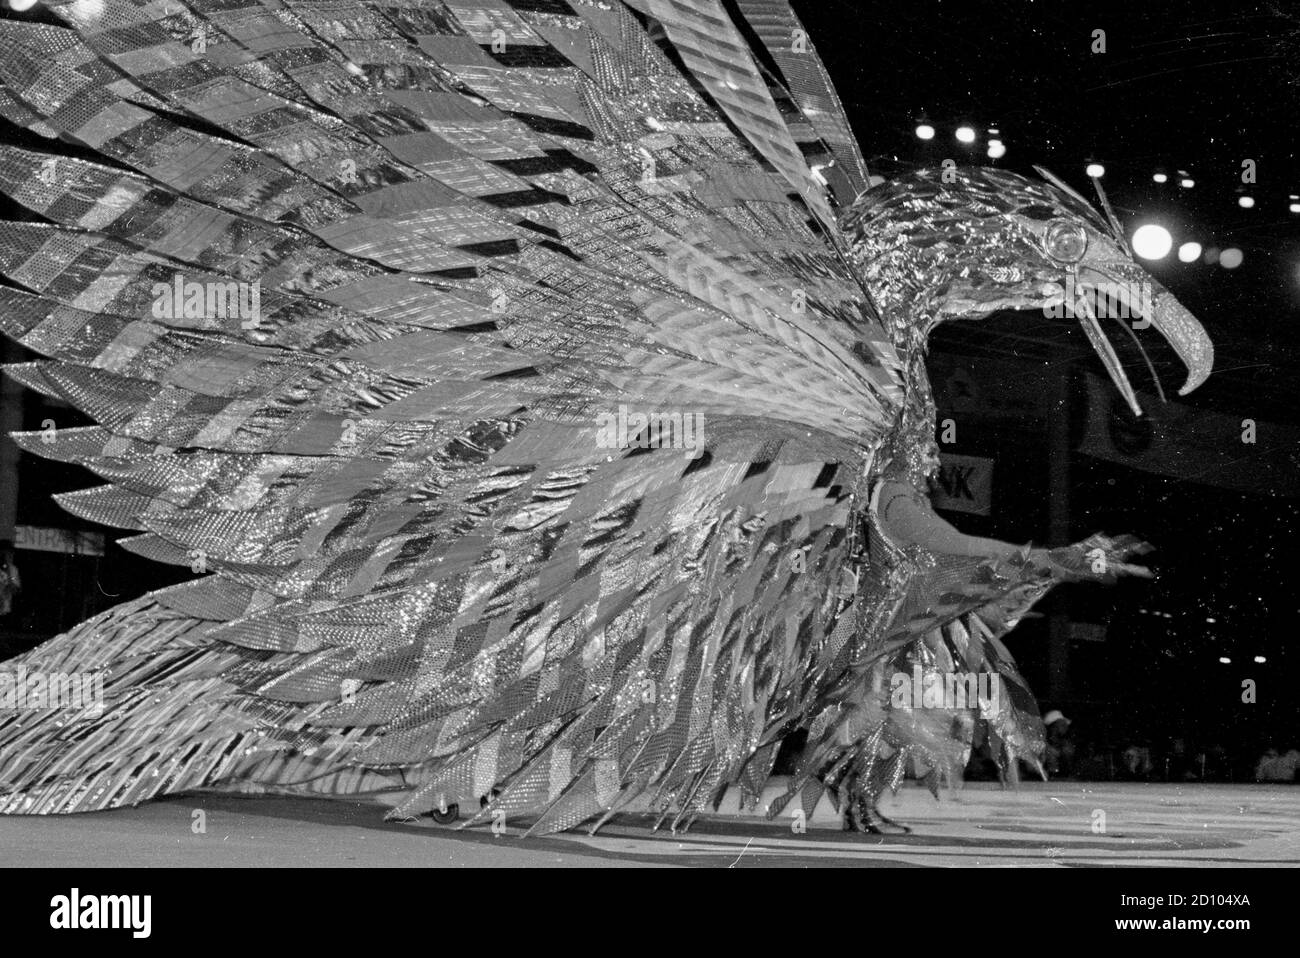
<point>1145,303</point>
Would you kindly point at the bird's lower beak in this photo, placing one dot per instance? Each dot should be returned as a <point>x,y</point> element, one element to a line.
<point>1144,303</point>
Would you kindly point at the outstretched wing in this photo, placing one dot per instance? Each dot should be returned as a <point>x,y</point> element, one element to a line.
<point>484,254</point>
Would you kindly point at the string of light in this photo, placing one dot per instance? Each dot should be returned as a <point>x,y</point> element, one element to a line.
<point>1150,241</point>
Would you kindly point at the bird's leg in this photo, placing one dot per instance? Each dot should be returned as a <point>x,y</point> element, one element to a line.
<point>858,805</point>
<point>848,802</point>
<point>876,823</point>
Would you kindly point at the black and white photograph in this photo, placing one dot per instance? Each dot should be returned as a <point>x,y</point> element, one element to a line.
<point>517,434</point>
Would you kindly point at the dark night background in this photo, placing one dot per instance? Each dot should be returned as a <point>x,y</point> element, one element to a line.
<point>1190,87</point>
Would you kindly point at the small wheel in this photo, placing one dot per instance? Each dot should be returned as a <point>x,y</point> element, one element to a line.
<point>446,816</point>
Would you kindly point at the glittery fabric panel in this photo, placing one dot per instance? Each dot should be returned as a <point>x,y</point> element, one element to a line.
<point>421,515</point>
<point>480,232</point>
<point>713,49</point>
<point>809,84</point>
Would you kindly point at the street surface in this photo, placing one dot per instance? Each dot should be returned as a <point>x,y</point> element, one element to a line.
<point>1049,825</point>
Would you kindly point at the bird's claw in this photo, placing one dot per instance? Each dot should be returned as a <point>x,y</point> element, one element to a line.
<point>862,817</point>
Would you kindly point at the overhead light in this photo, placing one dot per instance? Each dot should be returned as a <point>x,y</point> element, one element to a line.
<point>1152,241</point>
<point>1161,178</point>
<point>965,134</point>
<point>1095,170</point>
<point>1187,182</point>
<point>1190,253</point>
<point>1230,258</point>
<point>996,150</point>
<point>1260,660</point>
<point>1294,207</point>
<point>21,5</point>
<point>1225,660</point>
<point>1245,202</point>
<point>1211,619</point>
<point>925,131</point>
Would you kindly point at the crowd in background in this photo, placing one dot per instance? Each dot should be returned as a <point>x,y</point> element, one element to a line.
<point>1070,755</point>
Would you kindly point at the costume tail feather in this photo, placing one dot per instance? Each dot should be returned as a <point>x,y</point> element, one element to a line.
<point>140,702</point>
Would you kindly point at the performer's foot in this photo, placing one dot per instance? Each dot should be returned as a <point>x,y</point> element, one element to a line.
<point>881,825</point>
<point>861,817</point>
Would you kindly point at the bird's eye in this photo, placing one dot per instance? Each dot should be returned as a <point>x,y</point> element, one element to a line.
<point>1065,241</point>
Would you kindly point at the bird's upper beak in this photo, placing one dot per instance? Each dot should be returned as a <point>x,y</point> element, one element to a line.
<point>1146,304</point>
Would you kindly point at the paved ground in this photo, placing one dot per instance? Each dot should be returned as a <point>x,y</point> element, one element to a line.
<point>1045,825</point>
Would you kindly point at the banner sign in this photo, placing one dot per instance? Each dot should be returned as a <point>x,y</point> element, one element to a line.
<point>41,539</point>
<point>1087,632</point>
<point>1177,440</point>
<point>964,484</point>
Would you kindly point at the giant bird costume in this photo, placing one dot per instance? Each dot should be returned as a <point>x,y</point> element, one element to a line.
<point>537,390</point>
